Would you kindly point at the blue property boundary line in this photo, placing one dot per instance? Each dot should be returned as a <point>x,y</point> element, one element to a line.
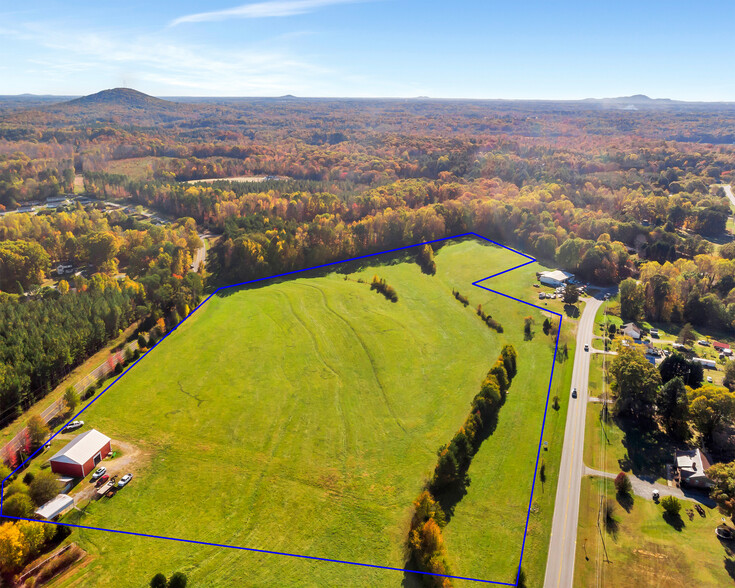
<point>309,557</point>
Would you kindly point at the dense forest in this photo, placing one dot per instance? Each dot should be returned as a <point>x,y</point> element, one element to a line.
<point>49,323</point>
<point>608,193</point>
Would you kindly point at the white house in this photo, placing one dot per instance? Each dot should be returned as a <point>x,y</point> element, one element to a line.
<point>631,330</point>
<point>555,278</point>
<point>690,468</point>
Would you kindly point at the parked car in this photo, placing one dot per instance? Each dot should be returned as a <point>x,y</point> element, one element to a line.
<point>703,342</point>
<point>574,392</point>
<point>73,426</point>
<point>99,473</point>
<point>102,480</point>
<point>124,480</point>
<point>709,379</point>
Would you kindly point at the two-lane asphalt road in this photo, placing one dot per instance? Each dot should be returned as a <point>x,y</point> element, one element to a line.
<point>560,564</point>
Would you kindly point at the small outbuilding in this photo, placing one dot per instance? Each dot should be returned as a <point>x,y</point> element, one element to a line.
<point>80,456</point>
<point>55,507</point>
<point>707,363</point>
<point>721,347</point>
<point>691,466</point>
<point>554,278</point>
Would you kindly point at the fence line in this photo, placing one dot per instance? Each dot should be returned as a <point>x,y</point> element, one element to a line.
<point>16,443</point>
<point>45,561</point>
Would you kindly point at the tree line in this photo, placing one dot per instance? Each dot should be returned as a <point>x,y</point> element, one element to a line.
<point>425,543</point>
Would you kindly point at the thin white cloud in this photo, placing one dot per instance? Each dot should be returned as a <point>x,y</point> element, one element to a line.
<point>170,65</point>
<point>268,9</point>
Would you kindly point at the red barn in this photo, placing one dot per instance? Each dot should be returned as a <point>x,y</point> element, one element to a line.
<point>81,454</point>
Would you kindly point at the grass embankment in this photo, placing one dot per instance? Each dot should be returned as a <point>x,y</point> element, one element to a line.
<point>645,549</point>
<point>304,417</point>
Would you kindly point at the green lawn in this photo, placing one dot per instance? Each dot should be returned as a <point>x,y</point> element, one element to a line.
<point>612,317</point>
<point>304,417</point>
<point>595,383</point>
<point>645,550</point>
<point>603,442</point>
<point>624,445</point>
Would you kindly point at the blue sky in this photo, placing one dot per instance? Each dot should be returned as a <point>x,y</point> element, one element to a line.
<point>452,49</point>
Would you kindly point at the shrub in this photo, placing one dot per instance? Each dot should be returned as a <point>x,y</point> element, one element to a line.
<point>141,341</point>
<point>527,328</point>
<point>382,287</point>
<point>462,299</point>
<point>18,505</point>
<point>28,478</point>
<point>426,260</point>
<point>158,581</point>
<point>177,580</point>
<point>622,484</point>
<point>37,431</point>
<point>43,488</point>
<point>489,320</point>
<point>671,505</point>
<point>71,398</point>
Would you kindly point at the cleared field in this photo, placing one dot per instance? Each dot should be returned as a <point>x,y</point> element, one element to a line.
<point>645,549</point>
<point>304,417</point>
<point>240,179</point>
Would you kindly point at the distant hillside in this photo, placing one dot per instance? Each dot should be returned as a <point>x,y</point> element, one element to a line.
<point>121,97</point>
<point>635,102</point>
<point>117,106</point>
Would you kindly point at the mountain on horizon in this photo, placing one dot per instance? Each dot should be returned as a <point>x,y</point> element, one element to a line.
<point>120,97</point>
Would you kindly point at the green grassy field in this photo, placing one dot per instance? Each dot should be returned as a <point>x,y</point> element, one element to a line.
<point>304,417</point>
<point>603,443</point>
<point>646,550</point>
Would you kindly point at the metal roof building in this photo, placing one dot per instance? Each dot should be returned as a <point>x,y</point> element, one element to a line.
<point>80,456</point>
<point>55,507</point>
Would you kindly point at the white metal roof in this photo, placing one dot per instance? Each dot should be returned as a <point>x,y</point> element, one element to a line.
<point>82,448</point>
<point>54,506</point>
<point>556,275</point>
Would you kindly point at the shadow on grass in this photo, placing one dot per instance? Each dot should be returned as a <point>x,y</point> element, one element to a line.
<point>571,310</point>
<point>625,500</point>
<point>410,578</point>
<point>612,525</point>
<point>451,495</point>
<point>730,567</point>
<point>675,521</point>
<point>648,448</point>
